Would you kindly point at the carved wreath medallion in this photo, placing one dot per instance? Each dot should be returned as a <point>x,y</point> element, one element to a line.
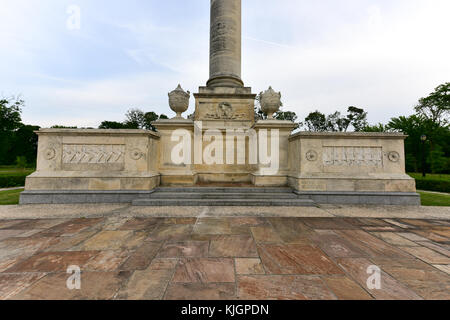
<point>136,154</point>
<point>312,155</point>
<point>49,153</point>
<point>393,156</point>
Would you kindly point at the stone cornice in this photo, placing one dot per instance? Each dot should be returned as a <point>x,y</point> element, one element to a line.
<point>97,132</point>
<point>347,135</point>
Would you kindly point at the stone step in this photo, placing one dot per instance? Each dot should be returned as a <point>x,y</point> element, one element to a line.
<point>223,190</point>
<point>221,195</point>
<point>226,202</point>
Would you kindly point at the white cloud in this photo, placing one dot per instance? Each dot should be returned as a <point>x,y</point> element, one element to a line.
<point>381,55</point>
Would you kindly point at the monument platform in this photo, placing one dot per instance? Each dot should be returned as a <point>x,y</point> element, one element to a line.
<point>223,144</point>
<point>126,166</point>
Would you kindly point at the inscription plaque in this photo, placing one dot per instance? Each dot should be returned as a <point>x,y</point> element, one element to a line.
<point>93,154</point>
<point>353,156</point>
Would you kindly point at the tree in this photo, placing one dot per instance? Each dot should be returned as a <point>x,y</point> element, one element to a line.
<point>10,110</point>
<point>150,117</point>
<point>437,160</point>
<point>336,123</point>
<point>57,126</point>
<point>375,128</point>
<point>112,125</point>
<point>25,144</point>
<point>412,127</point>
<point>135,119</point>
<point>436,107</point>
<point>357,118</point>
<point>286,115</point>
<point>316,121</point>
<point>10,122</point>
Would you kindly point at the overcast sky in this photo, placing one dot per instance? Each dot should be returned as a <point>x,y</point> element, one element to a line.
<point>381,55</point>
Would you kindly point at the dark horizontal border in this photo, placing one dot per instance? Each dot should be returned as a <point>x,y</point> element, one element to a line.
<point>277,309</point>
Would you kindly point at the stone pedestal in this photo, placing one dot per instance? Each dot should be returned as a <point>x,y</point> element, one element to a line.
<point>175,174</point>
<point>278,133</point>
<point>360,168</point>
<point>85,166</point>
<point>225,107</point>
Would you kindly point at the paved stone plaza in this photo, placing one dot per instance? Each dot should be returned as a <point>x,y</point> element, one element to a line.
<point>224,253</point>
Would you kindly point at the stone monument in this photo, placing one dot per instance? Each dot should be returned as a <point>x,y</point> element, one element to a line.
<point>222,144</point>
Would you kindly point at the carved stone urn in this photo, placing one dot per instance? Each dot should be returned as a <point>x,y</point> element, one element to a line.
<point>270,102</point>
<point>179,101</point>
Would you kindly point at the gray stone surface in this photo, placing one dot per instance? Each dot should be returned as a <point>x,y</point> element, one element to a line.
<point>51,211</point>
<point>373,198</point>
<point>80,197</point>
<point>219,197</point>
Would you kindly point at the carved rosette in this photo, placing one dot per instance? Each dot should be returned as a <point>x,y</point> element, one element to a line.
<point>49,153</point>
<point>312,156</point>
<point>179,101</point>
<point>394,156</point>
<point>136,154</point>
<point>270,102</point>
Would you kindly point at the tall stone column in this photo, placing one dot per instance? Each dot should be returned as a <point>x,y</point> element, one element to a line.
<point>225,44</point>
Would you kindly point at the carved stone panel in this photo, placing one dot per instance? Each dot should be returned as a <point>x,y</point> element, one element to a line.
<point>353,156</point>
<point>93,154</point>
<point>223,111</point>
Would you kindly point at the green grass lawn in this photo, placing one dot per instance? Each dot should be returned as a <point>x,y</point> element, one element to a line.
<point>432,182</point>
<point>435,199</point>
<point>430,176</point>
<point>9,171</point>
<point>11,176</point>
<point>9,197</point>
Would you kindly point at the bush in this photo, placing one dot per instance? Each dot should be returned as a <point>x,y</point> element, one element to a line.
<point>21,162</point>
<point>433,185</point>
<point>13,180</point>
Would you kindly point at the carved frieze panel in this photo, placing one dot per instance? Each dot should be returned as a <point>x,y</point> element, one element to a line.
<point>223,111</point>
<point>93,154</point>
<point>353,156</point>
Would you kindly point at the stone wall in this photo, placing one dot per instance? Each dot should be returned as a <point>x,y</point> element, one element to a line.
<point>98,166</point>
<point>348,162</point>
<point>95,160</point>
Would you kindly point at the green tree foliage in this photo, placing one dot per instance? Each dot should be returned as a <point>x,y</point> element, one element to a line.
<point>316,121</point>
<point>357,118</point>
<point>25,144</point>
<point>335,122</point>
<point>376,128</point>
<point>16,139</point>
<point>57,126</point>
<point>436,107</point>
<point>414,127</point>
<point>112,125</point>
<point>286,115</point>
<point>10,110</point>
<point>431,119</point>
<point>437,160</point>
<point>10,122</point>
<point>135,119</point>
<point>21,162</point>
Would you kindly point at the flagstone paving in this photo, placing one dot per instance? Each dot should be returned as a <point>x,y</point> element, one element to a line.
<point>225,258</point>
